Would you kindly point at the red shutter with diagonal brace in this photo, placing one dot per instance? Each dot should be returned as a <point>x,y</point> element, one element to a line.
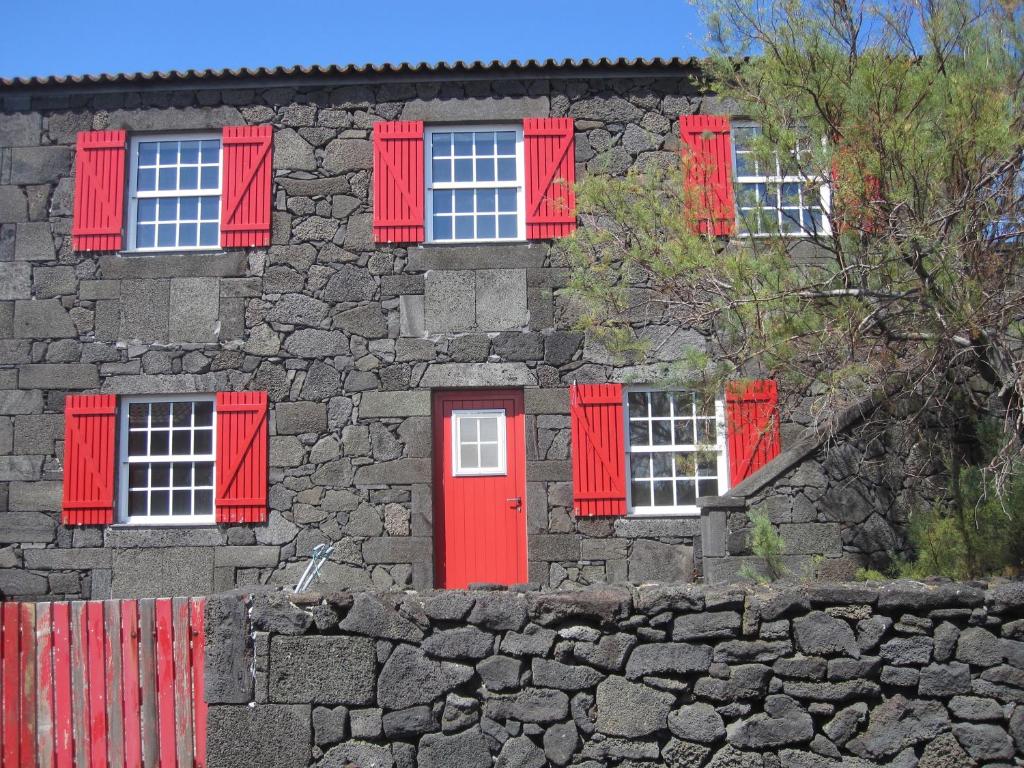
<point>598,450</point>
<point>550,158</point>
<point>752,426</point>
<point>398,182</point>
<point>241,457</point>
<point>245,193</point>
<point>707,162</point>
<point>90,423</point>
<point>99,191</point>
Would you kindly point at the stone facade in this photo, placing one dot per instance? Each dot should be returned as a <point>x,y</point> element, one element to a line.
<point>906,674</point>
<point>348,338</point>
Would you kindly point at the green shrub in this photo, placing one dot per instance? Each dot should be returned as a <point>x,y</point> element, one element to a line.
<point>765,542</point>
<point>869,574</point>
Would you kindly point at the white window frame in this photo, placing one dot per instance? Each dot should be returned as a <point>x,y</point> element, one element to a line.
<point>519,185</point>
<point>123,518</point>
<point>684,510</point>
<point>457,468</point>
<point>134,195</point>
<point>824,192</point>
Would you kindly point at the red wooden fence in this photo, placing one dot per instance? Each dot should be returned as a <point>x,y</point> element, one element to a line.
<point>102,684</point>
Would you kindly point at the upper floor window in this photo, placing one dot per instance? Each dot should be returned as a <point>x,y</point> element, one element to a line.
<point>676,451</point>
<point>174,192</point>
<point>475,184</point>
<point>772,196</point>
<point>167,460</point>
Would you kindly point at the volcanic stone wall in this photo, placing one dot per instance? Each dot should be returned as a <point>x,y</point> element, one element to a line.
<point>844,675</point>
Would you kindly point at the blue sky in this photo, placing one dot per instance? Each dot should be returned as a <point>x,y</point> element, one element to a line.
<point>76,37</point>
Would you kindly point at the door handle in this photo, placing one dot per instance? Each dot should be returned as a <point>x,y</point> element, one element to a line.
<point>517,502</point>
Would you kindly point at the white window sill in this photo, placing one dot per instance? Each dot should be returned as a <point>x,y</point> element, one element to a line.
<point>449,243</point>
<point>202,522</point>
<point>170,251</point>
<point>667,512</point>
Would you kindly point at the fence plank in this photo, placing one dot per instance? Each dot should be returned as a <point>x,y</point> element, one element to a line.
<point>28,683</point>
<point>147,683</point>
<point>198,607</point>
<point>80,682</point>
<point>114,683</point>
<point>11,690</point>
<point>182,683</point>
<point>165,681</point>
<point>130,678</point>
<point>44,677</point>
<point>63,741</point>
<point>97,687</point>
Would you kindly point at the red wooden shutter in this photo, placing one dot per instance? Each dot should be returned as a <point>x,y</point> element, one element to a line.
<point>550,159</point>
<point>245,192</point>
<point>598,450</point>
<point>707,161</point>
<point>99,191</point>
<point>398,186</point>
<point>89,439</point>
<point>241,457</point>
<point>752,427</point>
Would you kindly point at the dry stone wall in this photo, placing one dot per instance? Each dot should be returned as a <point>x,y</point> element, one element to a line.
<point>826,675</point>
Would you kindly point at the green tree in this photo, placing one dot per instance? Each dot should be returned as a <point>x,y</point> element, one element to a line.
<point>911,113</point>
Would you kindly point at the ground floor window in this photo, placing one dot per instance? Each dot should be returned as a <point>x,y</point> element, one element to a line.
<point>675,443</point>
<point>167,460</point>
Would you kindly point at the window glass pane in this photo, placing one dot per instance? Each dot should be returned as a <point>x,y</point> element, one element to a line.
<point>661,464</point>
<point>181,472</point>
<point>181,503</point>
<point>682,403</point>
<point>464,170</point>
<point>441,145</point>
<point>203,441</point>
<point>463,143</point>
<point>659,404</point>
<point>209,177</point>
<point>167,179</point>
<point>489,428</point>
<point>210,151</point>
<point>507,226</point>
<point>158,444</point>
<point>468,431</point>
<point>165,236</point>
<point>662,432</point>
<point>138,415</point>
<point>639,433</point>
<point>160,414</point>
<point>506,142</point>
<point>506,169</point>
<point>204,474</point>
<point>706,432</point>
<point>159,475</point>
<point>137,444</point>
<point>464,200</point>
<point>147,210</point>
<point>485,143</point>
<point>208,234</point>
<point>147,153</point>
<point>187,234</point>
<point>189,152</point>
<point>637,403</point>
<point>167,208</point>
<point>663,496</point>
<point>137,501</point>
<point>442,170</point>
<point>463,227</point>
<point>203,413</point>
<point>442,228</point>
<point>684,432</point>
<point>189,178</point>
<point>707,466</point>
<point>203,503</point>
<point>138,475</point>
<point>640,465</point>
<point>489,456</point>
<point>189,208</point>
<point>147,179</point>
<point>159,502</point>
<point>685,464</point>
<point>485,200</point>
<point>485,169</point>
<point>640,494</point>
<point>209,207</point>
<point>145,236</point>
<point>507,200</point>
<point>686,492</point>
<point>181,442</point>
<point>467,456</point>
<point>443,201</point>
<point>707,488</point>
<point>486,227</point>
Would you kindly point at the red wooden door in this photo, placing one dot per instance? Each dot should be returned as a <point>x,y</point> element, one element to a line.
<point>479,488</point>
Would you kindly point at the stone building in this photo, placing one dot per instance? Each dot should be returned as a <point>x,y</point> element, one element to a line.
<point>246,313</point>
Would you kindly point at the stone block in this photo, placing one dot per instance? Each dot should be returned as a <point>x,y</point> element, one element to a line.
<point>449,375</point>
<point>43,319</point>
<point>15,582</point>
<point>402,285</point>
<point>78,558</point>
<point>196,302</point>
<point>15,280</point>
<point>268,734</point>
<point>398,549</point>
<point>299,418</point>
<point>20,401</point>
<point>315,343</point>
<point>292,152</point>
<point>322,670</point>
<point>449,301</point>
<point>246,557</point>
<point>546,401</point>
<point>163,572</point>
<point>40,165</point>
<point>658,561</point>
<point>59,376</point>
<point>48,282</point>
<point>21,130</point>
<point>554,547</point>
<point>400,472</point>
<point>145,310</point>
<point>13,205</point>
<point>26,528</point>
<point>166,265</point>
<point>20,468</point>
<point>501,299</point>
<point>393,404</point>
<point>412,315</point>
<point>40,496</point>
<point>812,539</point>
<point>367,321</point>
<point>346,155</point>
<point>484,109</point>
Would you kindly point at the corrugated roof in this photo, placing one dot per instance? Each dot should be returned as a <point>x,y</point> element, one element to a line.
<point>245,74</point>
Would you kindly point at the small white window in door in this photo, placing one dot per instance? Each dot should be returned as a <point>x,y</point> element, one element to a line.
<point>478,443</point>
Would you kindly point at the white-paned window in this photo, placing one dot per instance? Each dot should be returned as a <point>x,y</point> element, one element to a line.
<point>174,192</point>
<point>475,184</point>
<point>676,451</point>
<point>167,460</point>
<point>773,197</point>
<point>478,443</point>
